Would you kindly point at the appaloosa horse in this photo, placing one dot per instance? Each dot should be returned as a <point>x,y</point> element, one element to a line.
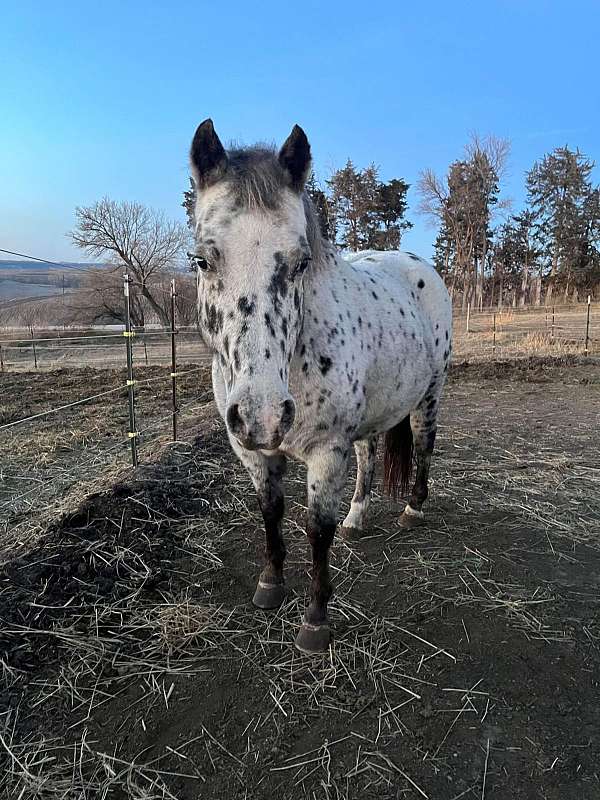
<point>313,353</point>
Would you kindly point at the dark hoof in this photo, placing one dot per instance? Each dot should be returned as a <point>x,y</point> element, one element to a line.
<point>351,534</point>
<point>313,639</point>
<point>269,595</point>
<point>410,521</point>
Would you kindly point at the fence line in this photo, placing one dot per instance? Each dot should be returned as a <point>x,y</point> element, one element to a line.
<point>515,332</point>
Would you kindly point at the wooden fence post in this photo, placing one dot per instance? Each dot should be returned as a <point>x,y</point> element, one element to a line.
<point>494,339</point>
<point>587,325</point>
<point>468,316</point>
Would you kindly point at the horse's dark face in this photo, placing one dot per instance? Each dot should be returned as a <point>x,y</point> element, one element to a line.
<point>252,252</point>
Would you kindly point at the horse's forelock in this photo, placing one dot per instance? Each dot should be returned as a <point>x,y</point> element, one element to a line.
<point>256,176</point>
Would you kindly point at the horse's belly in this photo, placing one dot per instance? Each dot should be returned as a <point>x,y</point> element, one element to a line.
<point>388,403</point>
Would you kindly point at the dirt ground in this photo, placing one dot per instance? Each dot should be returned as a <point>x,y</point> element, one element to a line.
<point>466,655</point>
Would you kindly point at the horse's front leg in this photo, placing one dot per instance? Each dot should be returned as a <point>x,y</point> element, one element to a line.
<point>327,472</point>
<point>266,473</point>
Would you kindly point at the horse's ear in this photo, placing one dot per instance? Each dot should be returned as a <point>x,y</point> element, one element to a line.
<point>294,157</point>
<point>207,155</point>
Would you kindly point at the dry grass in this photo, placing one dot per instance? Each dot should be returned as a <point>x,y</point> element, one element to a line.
<point>385,668</point>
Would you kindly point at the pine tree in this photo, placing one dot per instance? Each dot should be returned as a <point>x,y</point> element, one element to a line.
<point>322,206</point>
<point>560,197</point>
<point>388,222</point>
<point>189,200</point>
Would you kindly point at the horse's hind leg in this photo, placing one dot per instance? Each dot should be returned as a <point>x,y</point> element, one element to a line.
<point>266,473</point>
<point>423,423</point>
<point>354,524</point>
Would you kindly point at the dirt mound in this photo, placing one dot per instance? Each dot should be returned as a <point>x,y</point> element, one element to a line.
<point>531,369</point>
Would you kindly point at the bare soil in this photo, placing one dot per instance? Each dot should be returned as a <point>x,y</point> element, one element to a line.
<point>465,662</point>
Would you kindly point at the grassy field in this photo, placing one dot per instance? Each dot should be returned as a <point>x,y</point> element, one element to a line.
<point>465,657</point>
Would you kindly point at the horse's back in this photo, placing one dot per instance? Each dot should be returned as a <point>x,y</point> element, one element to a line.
<point>413,274</point>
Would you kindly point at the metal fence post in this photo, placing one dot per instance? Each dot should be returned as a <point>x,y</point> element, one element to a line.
<point>1,360</point>
<point>587,325</point>
<point>468,316</point>
<point>552,333</point>
<point>173,360</point>
<point>494,339</point>
<point>128,334</point>
<point>35,361</point>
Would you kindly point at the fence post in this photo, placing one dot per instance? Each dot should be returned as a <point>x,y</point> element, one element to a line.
<point>145,353</point>
<point>1,360</point>
<point>128,333</point>
<point>468,316</point>
<point>173,360</point>
<point>587,325</point>
<point>494,339</point>
<point>552,333</point>
<point>34,350</point>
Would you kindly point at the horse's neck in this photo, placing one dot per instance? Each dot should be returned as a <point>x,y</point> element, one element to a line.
<point>324,275</point>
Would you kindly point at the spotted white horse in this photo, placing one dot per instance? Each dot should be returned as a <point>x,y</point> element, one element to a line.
<point>313,353</point>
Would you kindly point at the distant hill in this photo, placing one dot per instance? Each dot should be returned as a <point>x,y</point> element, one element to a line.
<point>19,279</point>
<point>38,266</point>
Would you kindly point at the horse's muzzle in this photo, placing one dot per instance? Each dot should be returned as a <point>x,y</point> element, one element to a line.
<point>260,428</point>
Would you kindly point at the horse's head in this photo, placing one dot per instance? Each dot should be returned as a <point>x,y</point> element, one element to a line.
<point>252,250</point>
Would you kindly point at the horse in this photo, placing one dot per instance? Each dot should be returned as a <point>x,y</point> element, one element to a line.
<point>313,354</point>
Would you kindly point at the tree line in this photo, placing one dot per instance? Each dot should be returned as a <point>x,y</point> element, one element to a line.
<point>487,254</point>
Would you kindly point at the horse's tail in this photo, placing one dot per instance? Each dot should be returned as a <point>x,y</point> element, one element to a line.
<point>398,458</point>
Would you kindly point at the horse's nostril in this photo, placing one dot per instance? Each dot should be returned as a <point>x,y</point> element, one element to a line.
<point>235,423</point>
<point>289,412</point>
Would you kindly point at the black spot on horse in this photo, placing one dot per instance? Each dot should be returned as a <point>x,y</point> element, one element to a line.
<point>245,306</point>
<point>325,364</point>
<point>267,354</point>
<point>375,296</point>
<point>269,324</point>
<point>421,284</point>
<point>278,283</point>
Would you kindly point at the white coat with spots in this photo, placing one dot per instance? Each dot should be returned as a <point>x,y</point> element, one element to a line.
<point>313,353</point>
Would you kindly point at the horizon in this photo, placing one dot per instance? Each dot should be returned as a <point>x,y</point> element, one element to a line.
<point>108,112</point>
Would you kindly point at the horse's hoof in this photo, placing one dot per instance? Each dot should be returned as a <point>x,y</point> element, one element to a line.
<point>411,519</point>
<point>269,595</point>
<point>351,534</point>
<point>313,639</point>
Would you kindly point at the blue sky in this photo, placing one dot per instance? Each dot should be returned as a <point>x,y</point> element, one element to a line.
<point>103,99</point>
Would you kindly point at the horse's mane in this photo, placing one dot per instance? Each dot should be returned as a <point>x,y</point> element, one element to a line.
<point>258,179</point>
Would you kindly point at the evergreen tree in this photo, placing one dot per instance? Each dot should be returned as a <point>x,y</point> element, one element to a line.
<point>560,196</point>
<point>367,213</point>
<point>388,222</point>
<point>189,199</point>
<point>322,206</point>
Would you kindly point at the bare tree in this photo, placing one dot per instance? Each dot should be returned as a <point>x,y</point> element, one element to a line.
<point>462,204</point>
<point>135,238</point>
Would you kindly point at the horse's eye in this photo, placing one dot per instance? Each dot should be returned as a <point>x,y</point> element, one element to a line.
<point>200,263</point>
